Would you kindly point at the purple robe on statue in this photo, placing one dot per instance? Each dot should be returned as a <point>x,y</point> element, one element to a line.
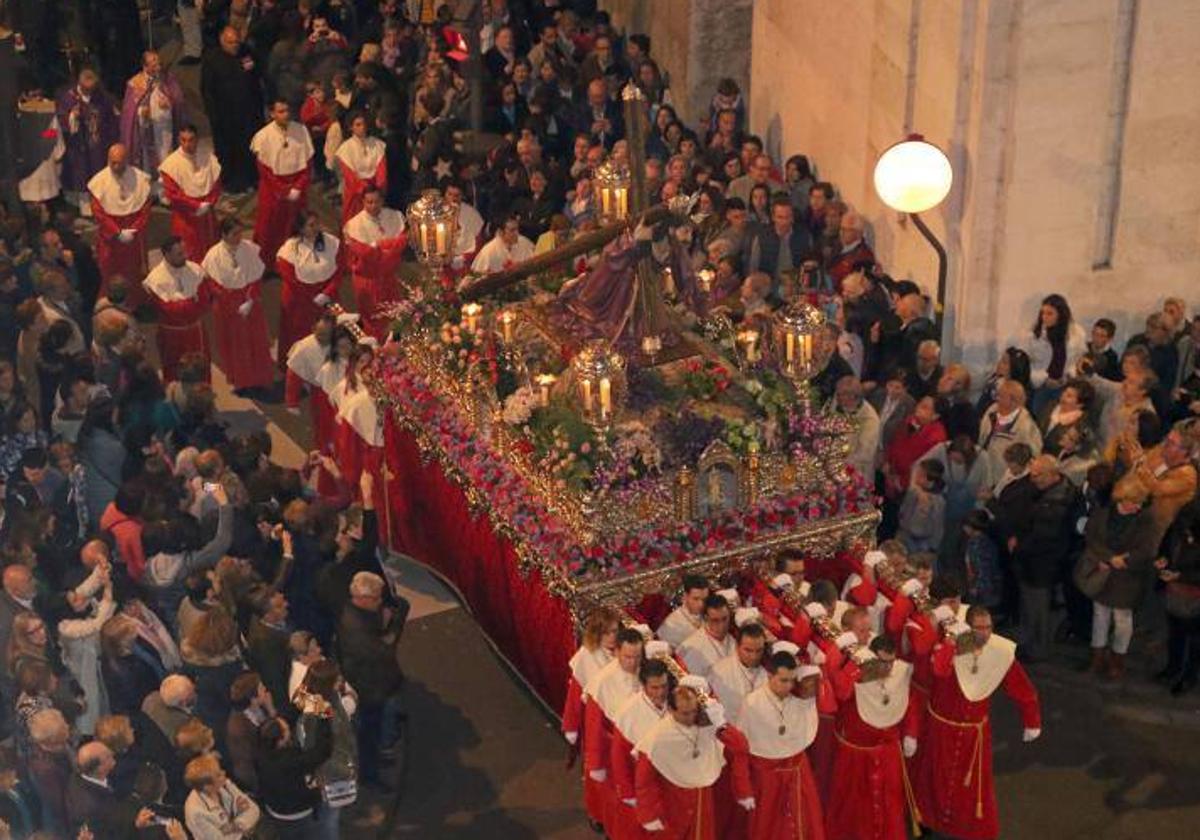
<point>150,141</point>
<point>603,299</point>
<point>89,127</point>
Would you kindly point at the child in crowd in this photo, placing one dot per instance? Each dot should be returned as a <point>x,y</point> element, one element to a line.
<point>1104,358</point>
<point>981,559</point>
<point>923,511</point>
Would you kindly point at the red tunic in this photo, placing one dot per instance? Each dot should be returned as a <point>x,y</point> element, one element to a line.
<point>298,309</point>
<point>353,187</point>
<point>623,821</point>
<point>787,806</point>
<point>181,331</point>
<point>198,232</point>
<point>870,790</point>
<point>692,813</point>
<point>242,340</point>
<point>907,448</point>
<point>373,271</point>
<point>126,259</point>
<point>952,770</point>
<point>276,215</point>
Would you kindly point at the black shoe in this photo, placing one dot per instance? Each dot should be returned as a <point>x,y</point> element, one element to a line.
<point>1183,685</point>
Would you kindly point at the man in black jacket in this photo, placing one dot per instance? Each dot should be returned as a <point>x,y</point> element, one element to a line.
<point>1042,543</point>
<point>368,633</point>
<point>91,801</point>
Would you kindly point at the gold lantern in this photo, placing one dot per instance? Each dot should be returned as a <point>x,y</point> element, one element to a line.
<point>599,373</point>
<point>612,190</point>
<point>435,224</point>
<point>799,348</point>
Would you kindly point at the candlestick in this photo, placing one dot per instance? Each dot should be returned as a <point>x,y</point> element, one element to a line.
<point>749,341</point>
<point>470,315</point>
<point>806,353</point>
<point>586,385</point>
<point>507,319</point>
<point>545,381</point>
<point>790,348</point>
<point>622,202</point>
<point>605,200</point>
<point>440,238</point>
<point>605,398</point>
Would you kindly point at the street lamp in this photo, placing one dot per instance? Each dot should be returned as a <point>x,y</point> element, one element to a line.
<point>914,176</point>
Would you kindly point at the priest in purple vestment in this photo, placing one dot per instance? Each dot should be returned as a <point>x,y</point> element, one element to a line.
<point>151,115</point>
<point>88,118</point>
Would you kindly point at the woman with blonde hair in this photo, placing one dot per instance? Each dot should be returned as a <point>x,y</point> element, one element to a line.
<point>596,650</point>
<point>213,658</point>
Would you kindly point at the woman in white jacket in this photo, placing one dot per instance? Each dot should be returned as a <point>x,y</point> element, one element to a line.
<point>79,636</point>
<point>1056,343</point>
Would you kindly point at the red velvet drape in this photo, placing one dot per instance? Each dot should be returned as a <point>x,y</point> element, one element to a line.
<point>429,519</point>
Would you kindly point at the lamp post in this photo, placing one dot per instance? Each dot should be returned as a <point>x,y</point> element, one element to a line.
<point>914,176</point>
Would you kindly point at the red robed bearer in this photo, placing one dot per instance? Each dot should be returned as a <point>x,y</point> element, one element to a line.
<point>596,650</point>
<point>604,694</point>
<point>375,239</point>
<point>711,642</point>
<point>685,619</point>
<point>304,362</point>
<point>735,676</point>
<point>634,717</point>
<point>191,181</point>
<point>679,761</point>
<point>359,437</point>
<point>362,163</point>
<point>284,151</point>
<point>121,204</point>
<point>234,270</point>
<point>953,769</point>
<point>176,288</point>
<point>780,725</point>
<point>869,791</point>
<point>310,266</point>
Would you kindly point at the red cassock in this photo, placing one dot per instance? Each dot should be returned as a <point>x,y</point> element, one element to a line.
<point>779,732</point>
<point>871,792</point>
<point>307,271</point>
<point>327,391</point>
<point>585,664</point>
<point>181,299</point>
<point>359,438</point>
<point>362,162</point>
<point>304,361</point>
<point>376,247</point>
<point>633,720</point>
<point>283,157</point>
<point>121,204</point>
<point>678,774</point>
<point>234,278</point>
<point>952,770</point>
<point>192,186</point>
<point>605,693</point>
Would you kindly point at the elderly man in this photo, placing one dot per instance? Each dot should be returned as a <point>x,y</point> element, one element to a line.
<point>120,196</point>
<point>1168,471</point>
<point>781,248</point>
<point>599,117</point>
<point>825,382</point>
<point>90,122</point>
<point>171,706</point>
<point>923,379</point>
<point>1007,422</point>
<point>855,251</point>
<point>954,386</point>
<point>152,113</point>
<point>368,632</point>
<point>1041,547</point>
<point>895,338</point>
<point>759,173</point>
<point>864,442</point>
<point>233,103</point>
<point>91,800</point>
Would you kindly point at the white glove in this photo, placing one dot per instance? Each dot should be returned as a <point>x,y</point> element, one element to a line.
<point>845,640</point>
<point>295,409</point>
<point>632,803</point>
<point>942,613</point>
<point>657,825</point>
<point>572,737</point>
<point>715,712</point>
<point>293,195</point>
<point>598,775</point>
<point>203,209</point>
<point>1031,735</point>
<point>245,308</point>
<point>957,628</point>
<point>910,587</point>
<point>127,235</point>
<point>457,263</point>
<point>747,803</point>
<point>815,610</point>
<point>910,746</point>
<point>321,299</point>
<point>815,654</point>
<point>873,559</point>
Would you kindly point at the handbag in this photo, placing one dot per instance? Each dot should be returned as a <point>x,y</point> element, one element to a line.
<point>1090,575</point>
<point>1183,600</point>
<point>340,794</point>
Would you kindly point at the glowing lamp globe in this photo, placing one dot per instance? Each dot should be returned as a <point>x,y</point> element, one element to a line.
<point>913,175</point>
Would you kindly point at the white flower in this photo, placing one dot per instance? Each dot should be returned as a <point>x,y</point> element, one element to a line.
<point>519,406</point>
